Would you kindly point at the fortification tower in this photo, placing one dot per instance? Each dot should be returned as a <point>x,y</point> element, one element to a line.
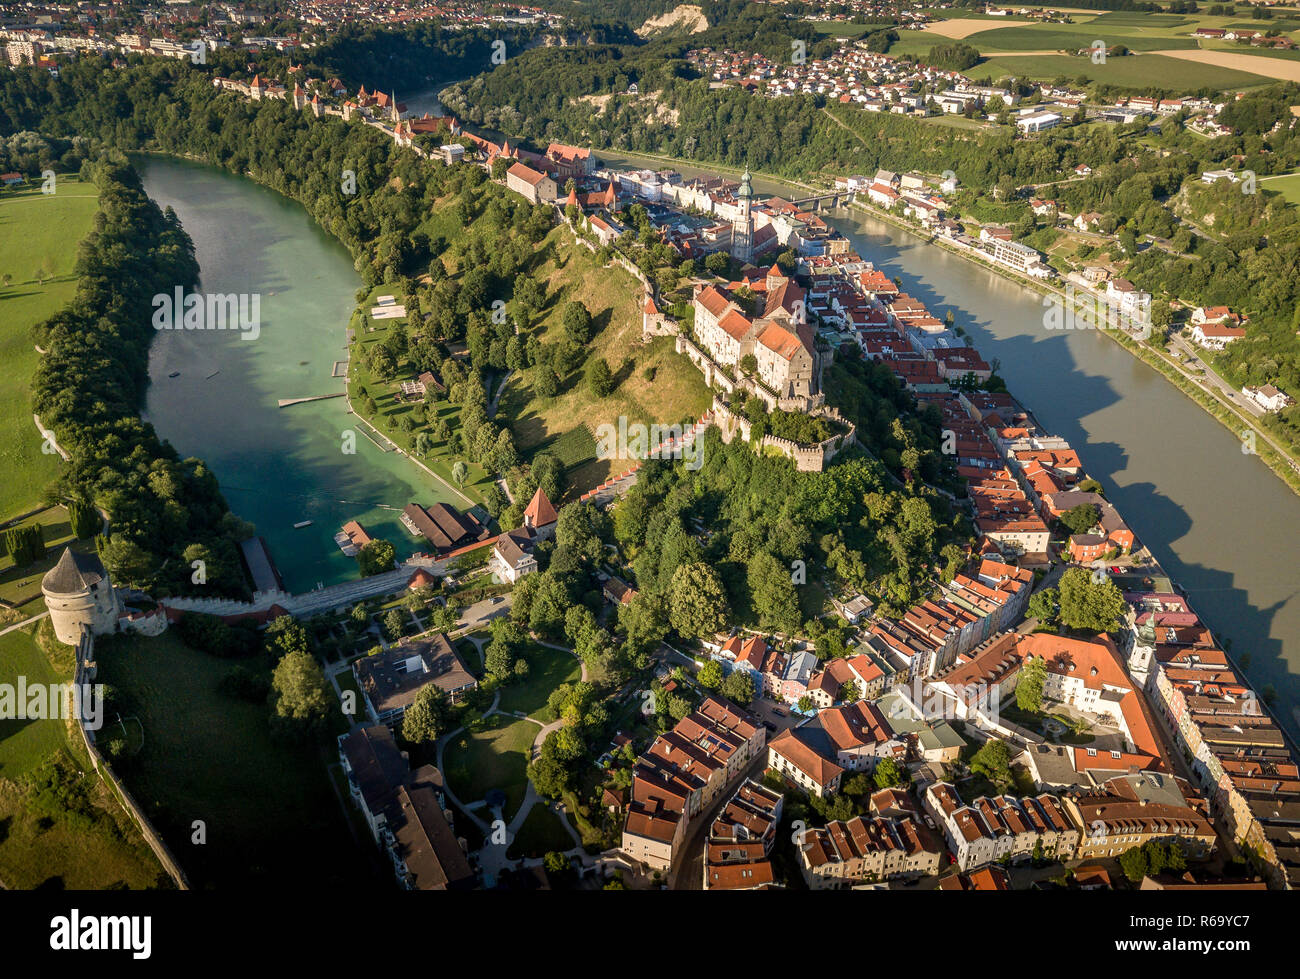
<point>78,593</point>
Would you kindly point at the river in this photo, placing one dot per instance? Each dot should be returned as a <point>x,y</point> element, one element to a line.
<point>1220,523</point>
<point>277,466</point>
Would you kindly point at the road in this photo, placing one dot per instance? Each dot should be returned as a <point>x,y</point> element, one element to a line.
<point>688,871</point>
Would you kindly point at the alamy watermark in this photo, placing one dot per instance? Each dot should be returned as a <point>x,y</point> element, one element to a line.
<point>637,441</point>
<point>210,311</point>
<point>1087,311</point>
<point>23,701</point>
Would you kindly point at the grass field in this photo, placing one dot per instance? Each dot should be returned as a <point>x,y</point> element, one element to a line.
<point>493,758</point>
<point>49,846</point>
<point>20,588</point>
<point>541,832</point>
<point>547,669</point>
<point>271,815</point>
<point>654,384</point>
<point>1070,37</point>
<point>38,250</point>
<point>24,744</point>
<point>1133,71</point>
<point>1288,186</point>
<point>1048,49</point>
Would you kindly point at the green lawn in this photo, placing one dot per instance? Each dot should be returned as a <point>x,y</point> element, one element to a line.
<point>494,758</point>
<point>25,744</point>
<point>38,241</point>
<point>21,587</point>
<point>547,669</point>
<point>541,832</point>
<point>1288,186</point>
<point>270,813</point>
<point>95,847</point>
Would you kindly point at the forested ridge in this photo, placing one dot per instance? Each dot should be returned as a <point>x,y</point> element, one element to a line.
<point>164,512</point>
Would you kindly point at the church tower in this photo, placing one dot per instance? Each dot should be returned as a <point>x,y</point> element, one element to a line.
<point>742,233</point>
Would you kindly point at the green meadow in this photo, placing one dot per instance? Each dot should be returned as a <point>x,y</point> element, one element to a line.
<point>39,234</point>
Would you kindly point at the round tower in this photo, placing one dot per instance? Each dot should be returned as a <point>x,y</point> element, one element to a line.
<point>78,593</point>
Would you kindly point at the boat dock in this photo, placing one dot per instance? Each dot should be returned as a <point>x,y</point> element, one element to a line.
<point>285,402</point>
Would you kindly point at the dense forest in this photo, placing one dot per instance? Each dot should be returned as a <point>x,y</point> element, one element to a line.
<point>164,512</point>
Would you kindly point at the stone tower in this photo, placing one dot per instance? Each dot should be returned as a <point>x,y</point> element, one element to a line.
<point>78,593</point>
<point>742,234</point>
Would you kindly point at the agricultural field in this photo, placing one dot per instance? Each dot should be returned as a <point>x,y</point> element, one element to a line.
<point>38,252</point>
<point>1134,71</point>
<point>1043,51</point>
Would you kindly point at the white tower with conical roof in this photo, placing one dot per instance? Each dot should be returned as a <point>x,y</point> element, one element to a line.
<point>79,593</point>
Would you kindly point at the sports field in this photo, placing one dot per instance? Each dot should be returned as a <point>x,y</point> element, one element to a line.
<point>38,251</point>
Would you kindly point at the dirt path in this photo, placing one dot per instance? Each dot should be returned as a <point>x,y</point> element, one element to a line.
<point>1283,69</point>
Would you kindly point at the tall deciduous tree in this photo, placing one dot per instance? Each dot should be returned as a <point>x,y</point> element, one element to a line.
<point>697,603</point>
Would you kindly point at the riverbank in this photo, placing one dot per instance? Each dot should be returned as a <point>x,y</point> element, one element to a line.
<point>1283,464</point>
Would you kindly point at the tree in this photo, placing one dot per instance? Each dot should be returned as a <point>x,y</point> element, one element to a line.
<point>459,472</point>
<point>1082,518</point>
<point>393,623</point>
<point>993,761</point>
<point>1095,606</point>
<point>1029,686</point>
<point>773,593</point>
<point>697,603</point>
<point>738,688</point>
<point>426,718</point>
<point>300,699</point>
<point>719,263</point>
<point>1043,606</point>
<point>710,676</point>
<point>577,323</point>
<point>376,557</point>
<point>498,660</point>
<point>600,380</point>
<point>889,773</point>
<point>85,519</point>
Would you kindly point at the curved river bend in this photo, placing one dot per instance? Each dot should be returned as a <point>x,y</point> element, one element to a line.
<point>1218,521</point>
